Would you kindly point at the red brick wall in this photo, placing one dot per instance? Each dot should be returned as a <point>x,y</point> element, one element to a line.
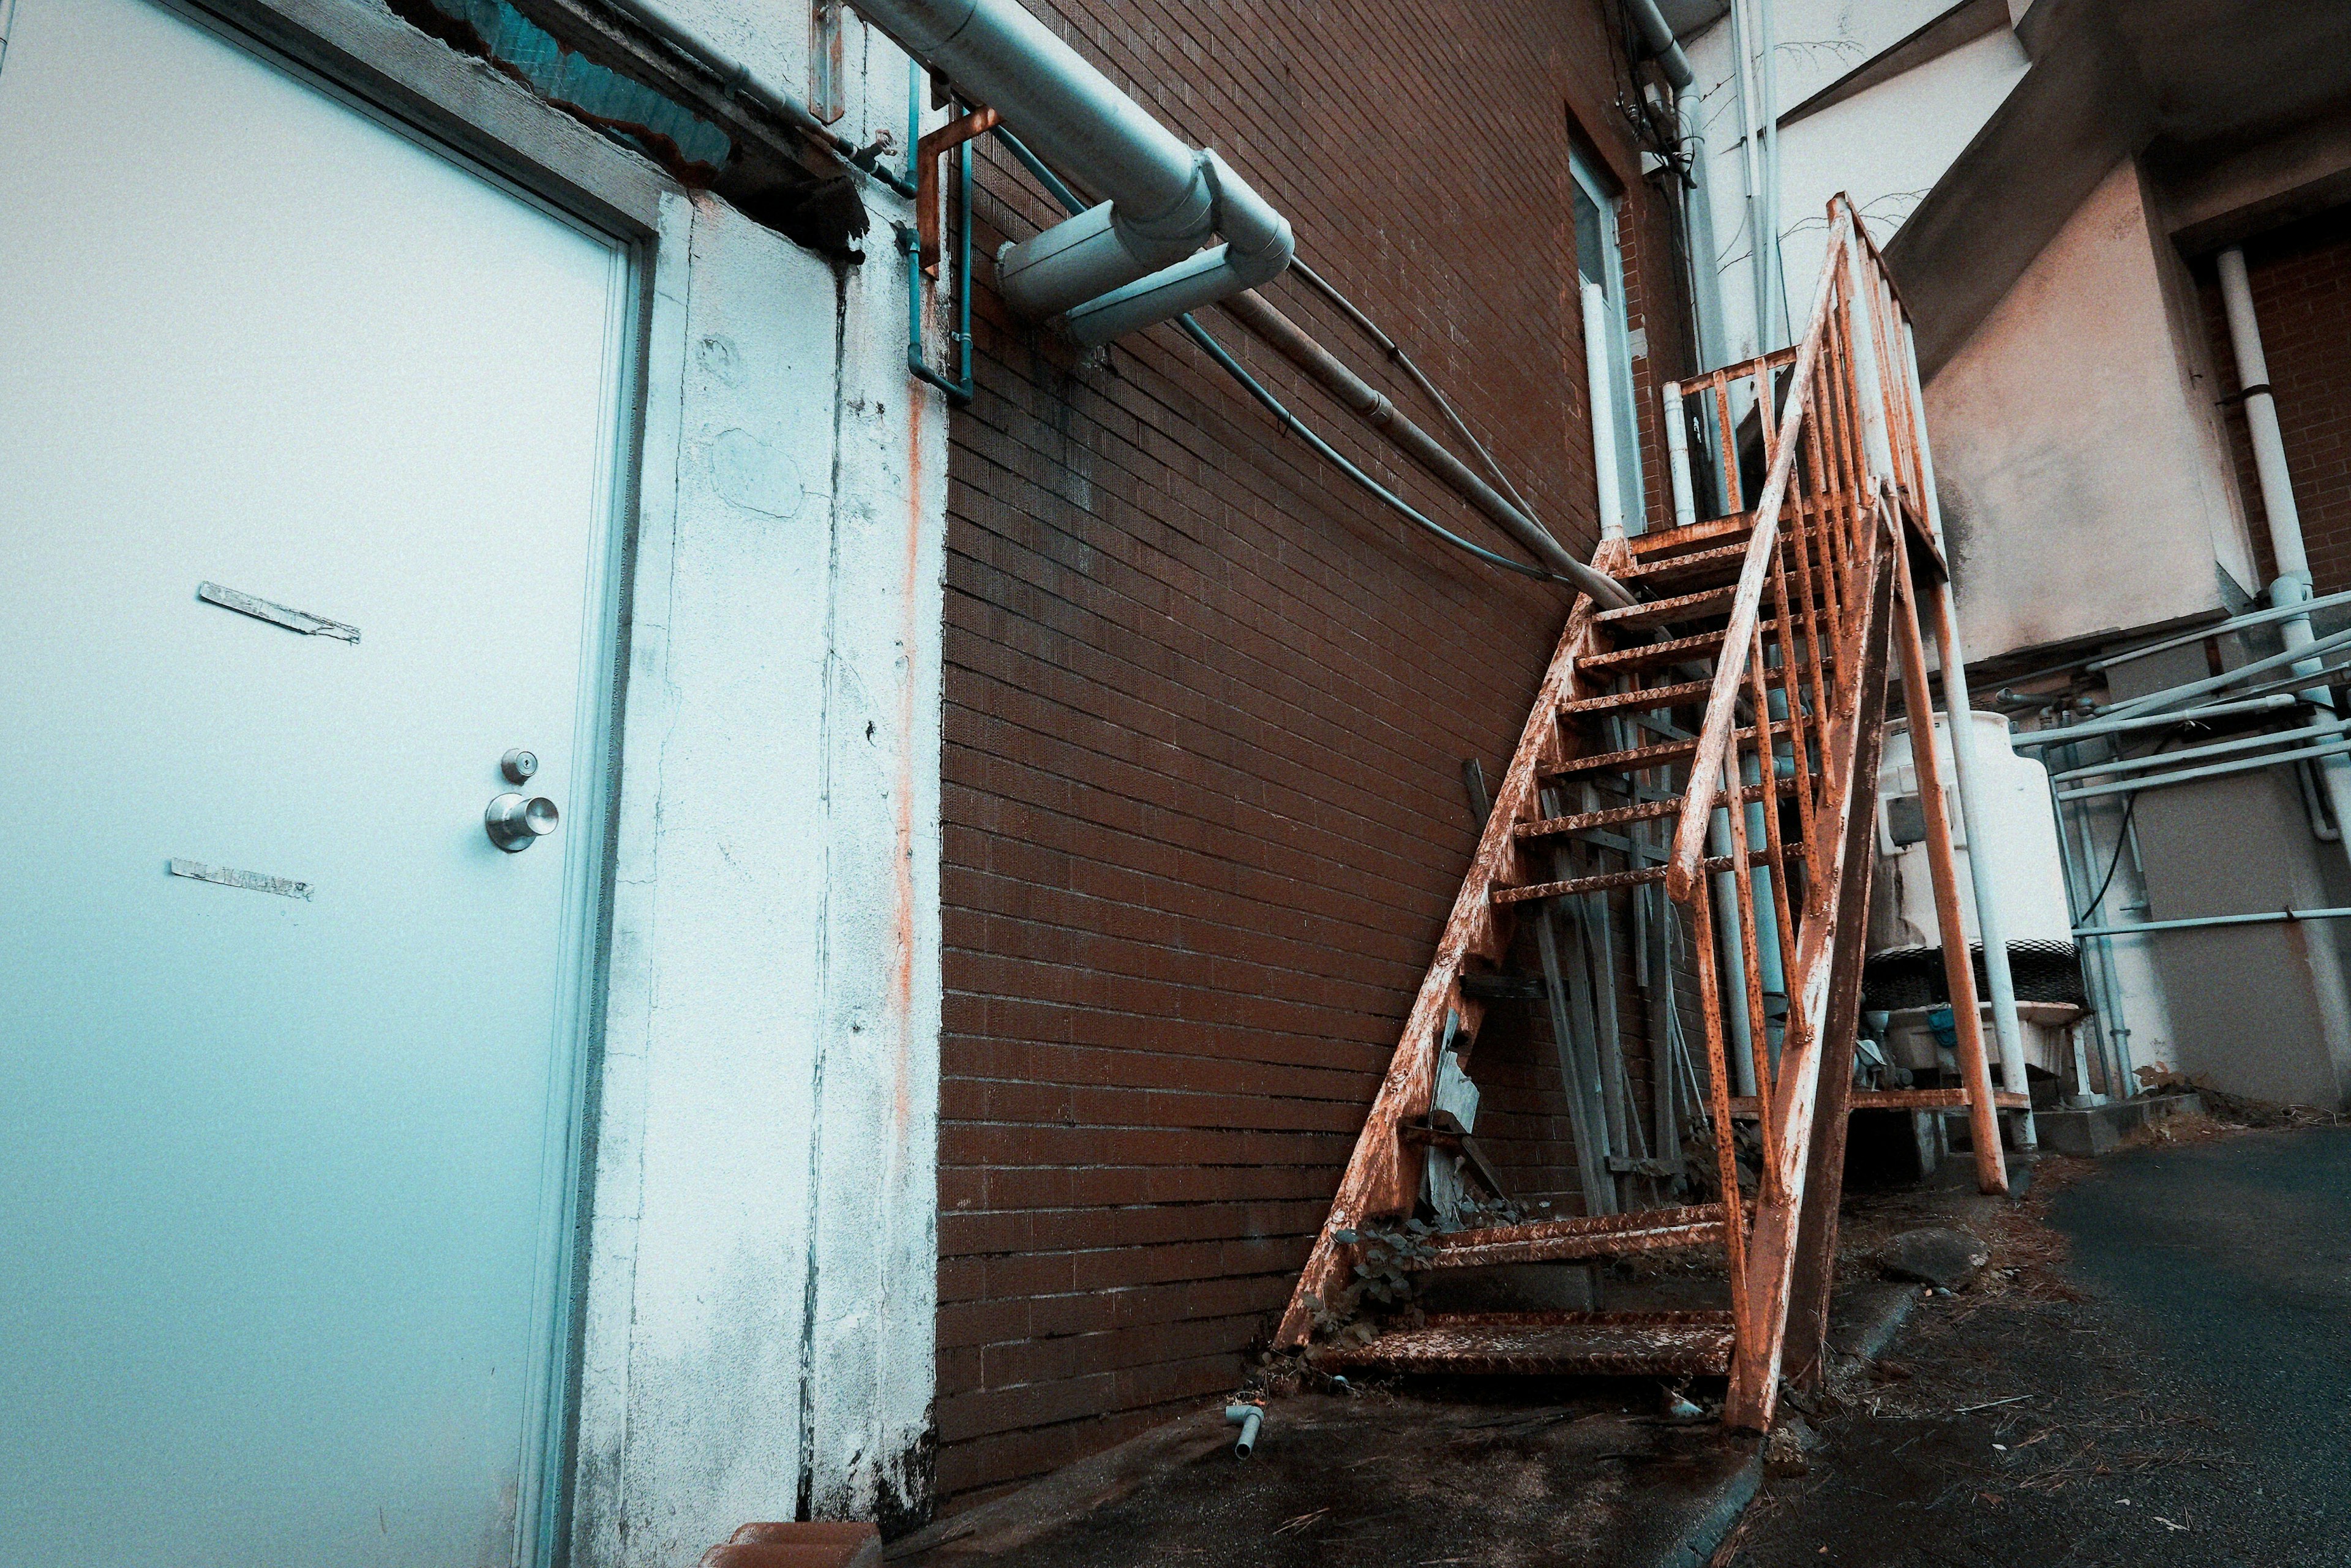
<point>1206,704</point>
<point>2300,278</point>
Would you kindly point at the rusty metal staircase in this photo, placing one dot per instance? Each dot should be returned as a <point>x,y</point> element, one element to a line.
<point>1738,707</point>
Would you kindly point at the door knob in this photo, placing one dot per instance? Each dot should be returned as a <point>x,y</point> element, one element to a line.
<point>515,822</point>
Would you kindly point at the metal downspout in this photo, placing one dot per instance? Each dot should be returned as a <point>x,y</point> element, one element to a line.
<point>1992,922</point>
<point>2293,586</point>
<point>1697,209</point>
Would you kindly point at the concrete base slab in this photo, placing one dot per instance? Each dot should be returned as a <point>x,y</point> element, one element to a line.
<point>2091,1130</point>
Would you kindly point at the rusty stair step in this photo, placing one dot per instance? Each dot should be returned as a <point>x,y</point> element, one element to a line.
<point>1607,881</point>
<point>1695,606</point>
<point>1714,531</point>
<point>1742,1106</point>
<point>1635,759</point>
<point>1600,1344</point>
<point>1617,816</point>
<point>1720,559</point>
<point>1589,1235</point>
<point>1680,694</point>
<point>1690,650</point>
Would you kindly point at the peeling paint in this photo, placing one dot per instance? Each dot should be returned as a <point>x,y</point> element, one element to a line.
<point>761,1316</point>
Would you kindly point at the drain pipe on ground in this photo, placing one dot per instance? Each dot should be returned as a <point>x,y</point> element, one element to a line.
<point>2293,588</point>
<point>1248,1418</point>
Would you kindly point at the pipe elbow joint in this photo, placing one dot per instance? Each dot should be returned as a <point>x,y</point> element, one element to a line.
<point>1167,236</point>
<point>1259,241</point>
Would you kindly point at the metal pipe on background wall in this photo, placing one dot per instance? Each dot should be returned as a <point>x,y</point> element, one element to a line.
<point>2293,586</point>
<point>1697,208</point>
<point>1136,258</point>
<point>1277,331</point>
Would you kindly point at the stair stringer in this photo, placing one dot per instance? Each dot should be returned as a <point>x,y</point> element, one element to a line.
<point>1383,1174</point>
<point>1830,938</point>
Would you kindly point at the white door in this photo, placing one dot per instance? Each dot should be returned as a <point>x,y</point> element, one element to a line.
<point>285,1169</point>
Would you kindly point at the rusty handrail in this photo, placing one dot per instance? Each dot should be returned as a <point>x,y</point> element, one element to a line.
<point>1708,766</point>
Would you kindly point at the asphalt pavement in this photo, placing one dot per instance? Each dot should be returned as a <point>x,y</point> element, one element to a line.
<point>2157,1369</point>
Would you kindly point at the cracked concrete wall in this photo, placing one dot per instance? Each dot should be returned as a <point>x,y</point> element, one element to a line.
<point>759,1311</point>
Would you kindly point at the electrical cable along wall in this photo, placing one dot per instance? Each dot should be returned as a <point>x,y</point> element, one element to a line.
<point>1206,704</point>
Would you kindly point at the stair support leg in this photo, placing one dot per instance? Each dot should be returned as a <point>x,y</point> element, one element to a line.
<point>1942,864</point>
<point>1805,1356</point>
<point>1771,1256</point>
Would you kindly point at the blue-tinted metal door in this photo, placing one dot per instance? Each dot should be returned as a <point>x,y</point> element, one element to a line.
<point>288,1046</point>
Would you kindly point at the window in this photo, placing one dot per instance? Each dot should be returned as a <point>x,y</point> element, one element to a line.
<point>1600,259</point>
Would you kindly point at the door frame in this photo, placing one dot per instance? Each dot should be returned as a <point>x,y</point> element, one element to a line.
<point>460,109</point>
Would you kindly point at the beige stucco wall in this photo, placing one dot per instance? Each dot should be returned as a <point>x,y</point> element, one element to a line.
<point>2085,487</point>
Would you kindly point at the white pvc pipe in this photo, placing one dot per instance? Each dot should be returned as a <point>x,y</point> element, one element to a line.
<point>2293,585</point>
<point>1991,921</point>
<point>1775,328</point>
<point>1601,382</point>
<point>1677,463</point>
<point>1698,206</point>
<point>1750,154</point>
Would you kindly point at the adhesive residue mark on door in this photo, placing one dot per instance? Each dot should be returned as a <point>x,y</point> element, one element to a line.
<point>250,881</point>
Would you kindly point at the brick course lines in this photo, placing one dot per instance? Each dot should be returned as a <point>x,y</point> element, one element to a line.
<point>1206,704</point>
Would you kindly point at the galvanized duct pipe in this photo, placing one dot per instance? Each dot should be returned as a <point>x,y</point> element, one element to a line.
<point>2291,590</point>
<point>1291,341</point>
<point>1697,211</point>
<point>1136,259</point>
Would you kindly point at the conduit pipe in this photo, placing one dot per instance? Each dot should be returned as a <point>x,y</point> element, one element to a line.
<point>1697,211</point>
<point>1135,259</point>
<point>1060,191</point>
<point>2041,740</point>
<point>1293,343</point>
<point>2291,589</point>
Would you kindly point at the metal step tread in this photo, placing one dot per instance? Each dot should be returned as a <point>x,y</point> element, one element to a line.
<point>1680,607</point>
<point>1648,655</point>
<point>1607,1344</point>
<point>1716,558</point>
<point>1665,541</point>
<point>1743,1105</point>
<point>1617,816</point>
<point>1635,759</point>
<point>1587,1235</point>
<point>1680,694</point>
<point>1608,881</point>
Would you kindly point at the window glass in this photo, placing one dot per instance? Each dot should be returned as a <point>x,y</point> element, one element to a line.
<point>1600,259</point>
